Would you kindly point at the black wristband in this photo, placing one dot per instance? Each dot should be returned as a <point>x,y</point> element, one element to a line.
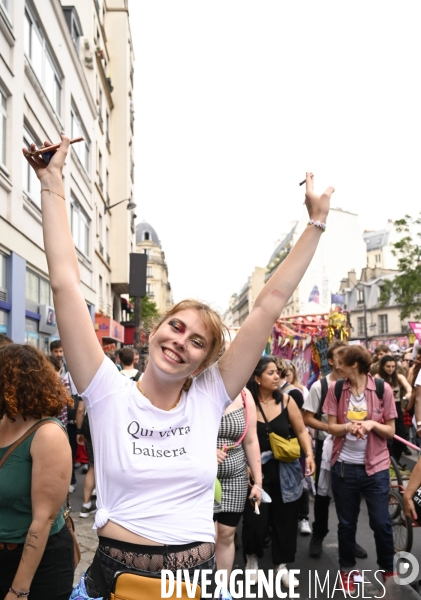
<point>79,431</point>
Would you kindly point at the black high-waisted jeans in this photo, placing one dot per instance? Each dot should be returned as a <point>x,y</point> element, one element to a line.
<point>53,580</point>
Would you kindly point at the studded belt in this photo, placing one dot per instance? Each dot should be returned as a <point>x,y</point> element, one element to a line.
<point>9,546</point>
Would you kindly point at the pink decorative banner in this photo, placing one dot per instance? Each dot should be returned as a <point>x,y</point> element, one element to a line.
<point>416,328</point>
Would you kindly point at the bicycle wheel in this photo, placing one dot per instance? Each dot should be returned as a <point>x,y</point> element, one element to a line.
<point>395,472</point>
<point>401,525</point>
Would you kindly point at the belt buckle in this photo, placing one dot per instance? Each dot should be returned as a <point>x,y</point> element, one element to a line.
<point>8,546</point>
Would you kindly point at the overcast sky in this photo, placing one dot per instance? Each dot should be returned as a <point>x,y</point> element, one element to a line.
<point>235,100</point>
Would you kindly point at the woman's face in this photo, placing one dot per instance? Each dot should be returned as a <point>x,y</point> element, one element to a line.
<point>389,367</point>
<point>344,370</point>
<point>269,379</point>
<point>289,376</point>
<point>181,344</point>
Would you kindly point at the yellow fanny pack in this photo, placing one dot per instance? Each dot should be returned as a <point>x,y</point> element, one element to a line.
<point>130,586</point>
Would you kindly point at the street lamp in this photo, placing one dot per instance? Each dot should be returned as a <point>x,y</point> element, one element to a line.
<point>131,205</point>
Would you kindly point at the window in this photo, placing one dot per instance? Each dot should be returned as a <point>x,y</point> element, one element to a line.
<point>41,59</point>
<point>37,288</point>
<point>378,258</point>
<point>383,325</point>
<point>107,128</point>
<point>149,290</point>
<point>3,321</point>
<point>30,182</point>
<point>31,333</point>
<point>3,277</point>
<point>100,300</point>
<point>80,227</point>
<point>107,244</point>
<point>81,149</point>
<point>146,235</point>
<point>360,326</point>
<point>74,25</point>
<point>100,106</point>
<point>101,247</point>
<point>147,252</point>
<point>100,182</point>
<point>149,271</point>
<point>360,296</point>
<point>3,126</point>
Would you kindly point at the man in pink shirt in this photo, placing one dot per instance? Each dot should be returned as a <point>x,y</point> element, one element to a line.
<point>361,421</point>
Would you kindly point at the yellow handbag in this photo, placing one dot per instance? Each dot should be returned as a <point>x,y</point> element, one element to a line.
<point>283,449</point>
<point>129,586</point>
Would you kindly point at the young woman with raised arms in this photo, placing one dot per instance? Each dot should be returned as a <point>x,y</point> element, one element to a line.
<point>155,443</point>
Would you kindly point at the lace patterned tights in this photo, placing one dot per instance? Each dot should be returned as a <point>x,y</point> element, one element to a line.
<point>185,559</point>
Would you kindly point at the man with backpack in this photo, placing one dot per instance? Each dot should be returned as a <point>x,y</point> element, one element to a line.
<point>127,357</point>
<point>317,420</point>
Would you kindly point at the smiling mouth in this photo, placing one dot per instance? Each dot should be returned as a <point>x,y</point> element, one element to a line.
<point>172,355</point>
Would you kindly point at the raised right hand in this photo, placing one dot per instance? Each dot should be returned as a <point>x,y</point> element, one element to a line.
<point>54,168</point>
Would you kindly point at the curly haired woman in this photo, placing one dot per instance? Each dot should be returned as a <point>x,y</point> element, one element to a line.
<point>36,547</point>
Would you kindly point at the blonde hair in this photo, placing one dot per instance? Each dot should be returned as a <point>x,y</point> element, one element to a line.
<point>295,379</point>
<point>212,322</point>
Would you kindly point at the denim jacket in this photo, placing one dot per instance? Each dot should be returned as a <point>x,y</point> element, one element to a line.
<point>291,477</point>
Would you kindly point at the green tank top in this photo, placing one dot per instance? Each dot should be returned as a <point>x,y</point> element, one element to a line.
<point>15,493</point>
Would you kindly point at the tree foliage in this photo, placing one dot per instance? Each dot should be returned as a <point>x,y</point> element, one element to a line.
<point>406,286</point>
<point>148,308</point>
<point>148,312</point>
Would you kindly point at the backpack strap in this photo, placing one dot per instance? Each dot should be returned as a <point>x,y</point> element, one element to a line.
<point>324,389</point>
<point>137,376</point>
<point>379,387</point>
<point>25,436</point>
<point>243,435</point>
<point>339,385</point>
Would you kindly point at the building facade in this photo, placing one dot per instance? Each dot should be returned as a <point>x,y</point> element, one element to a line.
<point>65,68</point>
<point>341,244</point>
<point>241,303</point>
<point>379,246</point>
<point>371,322</point>
<point>158,287</point>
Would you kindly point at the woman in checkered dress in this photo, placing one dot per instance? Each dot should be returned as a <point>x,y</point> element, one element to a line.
<point>232,473</point>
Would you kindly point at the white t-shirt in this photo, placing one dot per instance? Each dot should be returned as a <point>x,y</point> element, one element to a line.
<point>155,470</point>
<point>129,372</point>
<point>312,404</point>
<point>353,450</point>
<point>418,379</point>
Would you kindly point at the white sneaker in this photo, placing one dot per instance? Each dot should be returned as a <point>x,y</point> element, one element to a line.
<point>72,488</point>
<point>252,565</point>
<point>304,527</point>
<point>285,577</point>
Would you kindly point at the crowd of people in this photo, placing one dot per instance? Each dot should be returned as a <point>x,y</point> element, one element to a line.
<point>161,436</point>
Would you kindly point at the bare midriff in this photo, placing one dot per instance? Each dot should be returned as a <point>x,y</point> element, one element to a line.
<point>117,532</point>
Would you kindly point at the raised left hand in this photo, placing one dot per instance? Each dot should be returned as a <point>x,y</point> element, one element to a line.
<point>317,206</point>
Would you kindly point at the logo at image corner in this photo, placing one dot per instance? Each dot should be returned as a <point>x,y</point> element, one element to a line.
<point>405,567</point>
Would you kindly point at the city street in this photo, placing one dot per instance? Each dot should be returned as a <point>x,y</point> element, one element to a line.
<point>309,567</point>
